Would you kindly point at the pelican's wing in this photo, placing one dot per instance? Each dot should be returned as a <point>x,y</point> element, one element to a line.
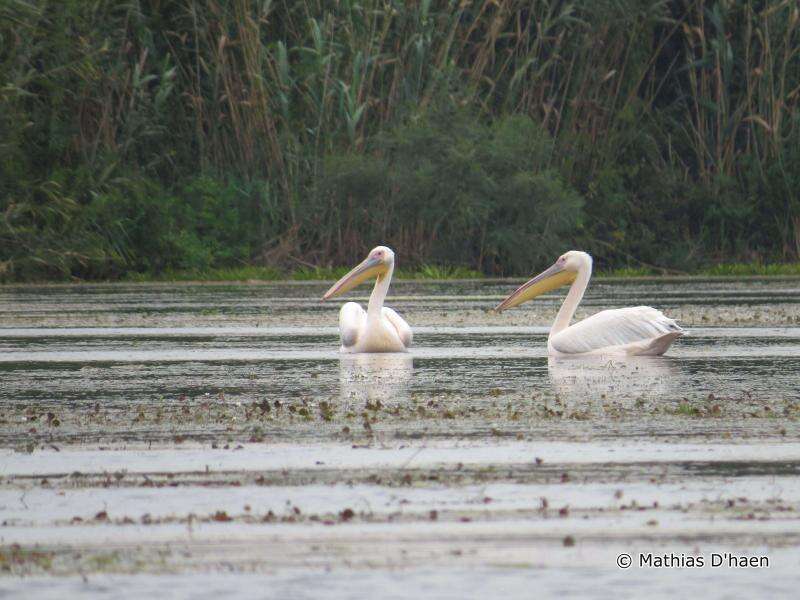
<point>403,329</point>
<point>617,327</point>
<point>351,320</point>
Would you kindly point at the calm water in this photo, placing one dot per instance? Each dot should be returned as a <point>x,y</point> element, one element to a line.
<point>152,432</point>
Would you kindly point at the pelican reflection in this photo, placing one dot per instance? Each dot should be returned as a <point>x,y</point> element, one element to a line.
<point>629,378</point>
<point>372,377</point>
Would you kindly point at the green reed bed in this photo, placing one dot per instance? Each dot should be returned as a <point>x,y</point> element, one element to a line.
<point>193,136</point>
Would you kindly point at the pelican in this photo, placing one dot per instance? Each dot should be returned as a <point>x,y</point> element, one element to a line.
<point>379,328</point>
<point>637,330</point>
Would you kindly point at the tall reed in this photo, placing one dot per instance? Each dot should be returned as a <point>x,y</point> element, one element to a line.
<point>657,110</point>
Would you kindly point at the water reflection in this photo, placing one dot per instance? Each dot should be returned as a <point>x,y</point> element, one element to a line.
<point>375,377</point>
<point>614,379</point>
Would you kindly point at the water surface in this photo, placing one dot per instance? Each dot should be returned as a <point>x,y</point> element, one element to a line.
<point>151,433</point>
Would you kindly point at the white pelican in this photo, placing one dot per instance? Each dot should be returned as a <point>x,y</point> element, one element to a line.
<point>379,328</point>
<point>638,330</point>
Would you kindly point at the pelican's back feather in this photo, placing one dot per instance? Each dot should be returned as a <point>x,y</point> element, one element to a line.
<point>637,326</point>
<point>403,329</point>
<point>351,319</point>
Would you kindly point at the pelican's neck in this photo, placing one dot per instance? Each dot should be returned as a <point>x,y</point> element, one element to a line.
<point>573,299</point>
<point>379,295</point>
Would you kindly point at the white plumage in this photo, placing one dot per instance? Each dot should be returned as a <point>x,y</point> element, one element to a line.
<point>379,328</point>
<point>638,330</point>
<point>388,333</point>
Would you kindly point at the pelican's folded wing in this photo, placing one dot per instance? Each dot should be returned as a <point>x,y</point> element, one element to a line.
<point>351,320</point>
<point>403,329</point>
<point>616,327</point>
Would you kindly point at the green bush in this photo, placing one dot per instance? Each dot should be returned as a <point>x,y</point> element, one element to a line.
<point>134,225</point>
<point>449,189</point>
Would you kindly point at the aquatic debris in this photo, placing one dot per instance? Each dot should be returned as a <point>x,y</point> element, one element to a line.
<point>15,557</point>
<point>346,515</point>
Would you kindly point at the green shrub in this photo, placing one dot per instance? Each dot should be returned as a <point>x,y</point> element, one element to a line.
<point>448,188</point>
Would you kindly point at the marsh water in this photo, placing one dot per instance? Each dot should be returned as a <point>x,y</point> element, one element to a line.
<point>190,439</point>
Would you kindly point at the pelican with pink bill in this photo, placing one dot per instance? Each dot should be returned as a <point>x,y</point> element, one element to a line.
<point>379,328</point>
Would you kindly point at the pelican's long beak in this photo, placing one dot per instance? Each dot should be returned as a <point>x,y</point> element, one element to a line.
<point>371,267</point>
<point>552,278</point>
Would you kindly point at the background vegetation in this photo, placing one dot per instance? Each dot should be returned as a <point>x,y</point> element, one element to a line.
<point>150,136</point>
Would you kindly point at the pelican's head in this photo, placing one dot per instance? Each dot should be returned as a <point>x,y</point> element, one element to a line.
<point>563,272</point>
<point>378,263</point>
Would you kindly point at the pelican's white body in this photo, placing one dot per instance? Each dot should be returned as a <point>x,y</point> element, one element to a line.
<point>634,331</point>
<point>385,332</point>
